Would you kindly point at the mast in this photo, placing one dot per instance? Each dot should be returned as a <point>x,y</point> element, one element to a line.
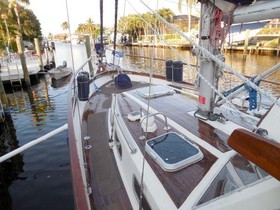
<point>207,66</point>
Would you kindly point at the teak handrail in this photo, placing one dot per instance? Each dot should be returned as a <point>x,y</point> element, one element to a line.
<point>263,152</point>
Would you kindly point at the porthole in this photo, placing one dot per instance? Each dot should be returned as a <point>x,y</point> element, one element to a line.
<point>118,144</point>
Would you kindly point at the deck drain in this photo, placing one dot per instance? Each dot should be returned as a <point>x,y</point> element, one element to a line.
<point>88,147</point>
<point>87,138</point>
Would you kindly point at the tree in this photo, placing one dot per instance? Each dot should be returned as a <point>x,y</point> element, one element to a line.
<point>189,4</point>
<point>50,36</point>
<point>17,13</point>
<point>150,18</point>
<point>65,25</point>
<point>31,27</point>
<point>88,28</point>
<point>166,14</point>
<point>134,25</point>
<point>91,27</point>
<point>13,5</point>
<point>81,28</point>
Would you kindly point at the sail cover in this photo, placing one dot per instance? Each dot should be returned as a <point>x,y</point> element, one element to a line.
<point>240,2</point>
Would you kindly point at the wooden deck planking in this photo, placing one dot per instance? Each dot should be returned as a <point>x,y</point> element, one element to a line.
<point>178,184</point>
<point>180,106</point>
<point>108,191</point>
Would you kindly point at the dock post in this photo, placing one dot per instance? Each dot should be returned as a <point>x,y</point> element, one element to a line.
<point>38,52</point>
<point>257,48</point>
<point>52,49</point>
<point>3,95</point>
<point>22,60</point>
<point>47,55</point>
<point>246,44</point>
<point>278,46</point>
<point>88,49</point>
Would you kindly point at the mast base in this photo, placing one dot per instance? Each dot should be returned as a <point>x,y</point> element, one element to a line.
<point>203,115</point>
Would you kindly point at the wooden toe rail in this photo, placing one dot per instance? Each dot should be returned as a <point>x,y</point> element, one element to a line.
<point>263,152</point>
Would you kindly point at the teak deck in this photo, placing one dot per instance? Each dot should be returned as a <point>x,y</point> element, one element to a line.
<point>107,187</point>
<point>178,184</point>
<point>108,191</point>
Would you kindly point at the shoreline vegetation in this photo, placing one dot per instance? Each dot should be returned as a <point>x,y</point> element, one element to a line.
<point>132,26</point>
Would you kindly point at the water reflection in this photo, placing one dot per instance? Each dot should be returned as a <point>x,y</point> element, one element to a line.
<point>9,170</point>
<point>253,65</point>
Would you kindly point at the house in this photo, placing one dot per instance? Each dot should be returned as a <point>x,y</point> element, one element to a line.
<point>182,22</point>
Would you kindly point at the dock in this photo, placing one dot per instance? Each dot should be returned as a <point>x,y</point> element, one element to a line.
<point>11,70</point>
<point>253,49</point>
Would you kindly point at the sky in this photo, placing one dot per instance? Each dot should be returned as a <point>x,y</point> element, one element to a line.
<point>52,13</point>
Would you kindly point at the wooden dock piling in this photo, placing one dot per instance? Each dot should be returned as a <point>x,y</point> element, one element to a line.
<point>88,49</point>
<point>245,50</point>
<point>38,52</point>
<point>278,46</point>
<point>47,56</point>
<point>22,60</point>
<point>52,49</point>
<point>3,96</point>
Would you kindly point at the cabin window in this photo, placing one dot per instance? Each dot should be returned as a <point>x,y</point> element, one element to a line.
<point>237,173</point>
<point>136,185</point>
<point>119,146</point>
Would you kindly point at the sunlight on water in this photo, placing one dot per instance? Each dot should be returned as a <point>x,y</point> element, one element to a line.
<point>253,65</point>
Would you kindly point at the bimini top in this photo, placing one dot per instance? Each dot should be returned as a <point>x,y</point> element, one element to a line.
<point>172,152</point>
<point>156,91</point>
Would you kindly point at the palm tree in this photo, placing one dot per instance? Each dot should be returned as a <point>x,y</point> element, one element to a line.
<point>30,25</point>
<point>4,18</point>
<point>150,18</point>
<point>90,27</point>
<point>81,28</point>
<point>189,4</point>
<point>17,18</point>
<point>14,5</point>
<point>24,1</point>
<point>65,25</point>
<point>168,15</point>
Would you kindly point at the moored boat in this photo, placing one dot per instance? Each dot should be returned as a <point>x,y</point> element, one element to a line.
<point>60,71</point>
<point>238,32</point>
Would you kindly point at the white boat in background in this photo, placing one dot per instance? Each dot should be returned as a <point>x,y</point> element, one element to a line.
<point>60,71</point>
<point>237,33</point>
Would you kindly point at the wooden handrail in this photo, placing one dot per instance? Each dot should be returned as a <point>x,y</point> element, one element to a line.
<point>263,152</point>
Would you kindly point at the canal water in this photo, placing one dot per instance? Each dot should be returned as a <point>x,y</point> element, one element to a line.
<point>40,178</point>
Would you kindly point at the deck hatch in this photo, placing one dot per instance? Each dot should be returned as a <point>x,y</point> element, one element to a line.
<point>156,91</point>
<point>172,152</point>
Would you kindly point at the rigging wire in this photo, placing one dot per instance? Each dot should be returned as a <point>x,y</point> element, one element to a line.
<point>115,32</point>
<point>219,62</point>
<point>214,58</point>
<point>70,36</point>
<point>101,26</point>
<point>147,120</point>
<point>114,100</point>
<point>242,115</point>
